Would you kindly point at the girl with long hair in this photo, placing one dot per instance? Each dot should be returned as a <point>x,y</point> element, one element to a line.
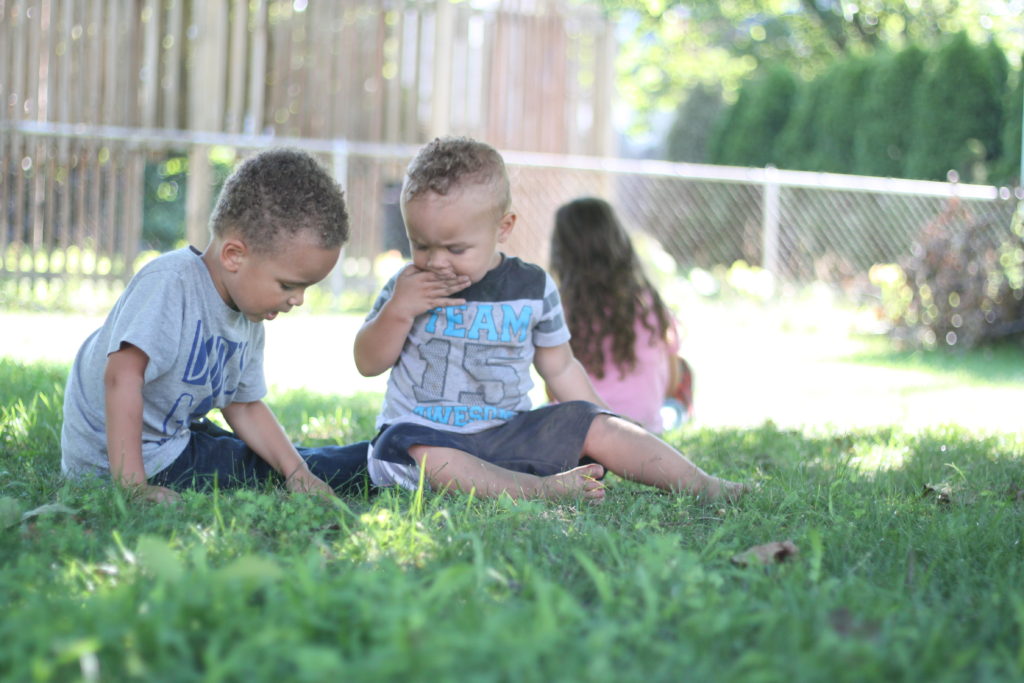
<point>622,332</point>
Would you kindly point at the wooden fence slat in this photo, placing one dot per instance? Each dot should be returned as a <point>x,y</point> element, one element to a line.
<point>107,202</point>
<point>441,99</point>
<point>48,63</point>
<point>95,86</point>
<point>62,94</point>
<point>7,166</point>
<point>150,86</point>
<point>18,62</point>
<point>132,192</point>
<point>64,192</point>
<point>170,79</point>
<point>393,96</point>
<point>257,72</point>
<point>37,196</point>
<point>74,13</point>
<point>411,116</point>
<point>49,198</point>
<point>81,196</point>
<point>18,233</point>
<point>238,50</point>
<point>111,56</point>
<point>95,177</point>
<point>6,42</point>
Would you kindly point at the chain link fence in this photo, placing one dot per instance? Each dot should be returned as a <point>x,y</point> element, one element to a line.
<point>70,205</point>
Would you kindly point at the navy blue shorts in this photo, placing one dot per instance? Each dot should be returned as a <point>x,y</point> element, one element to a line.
<point>543,441</point>
<point>216,456</point>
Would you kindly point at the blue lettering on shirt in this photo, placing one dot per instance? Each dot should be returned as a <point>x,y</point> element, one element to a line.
<point>432,320</point>
<point>515,325</point>
<point>453,317</point>
<point>483,321</point>
<point>460,416</point>
<point>207,361</point>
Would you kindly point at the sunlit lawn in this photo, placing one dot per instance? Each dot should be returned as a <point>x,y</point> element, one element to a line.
<point>804,363</point>
<point>909,535</point>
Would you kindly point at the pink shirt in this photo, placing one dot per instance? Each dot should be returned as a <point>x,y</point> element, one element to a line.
<point>640,394</point>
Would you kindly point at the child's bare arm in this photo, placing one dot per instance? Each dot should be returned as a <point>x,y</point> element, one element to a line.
<point>565,377</point>
<point>123,380</point>
<point>256,425</point>
<point>379,342</point>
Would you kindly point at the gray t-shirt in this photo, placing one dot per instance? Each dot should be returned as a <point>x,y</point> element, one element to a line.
<point>467,368</point>
<point>202,355</point>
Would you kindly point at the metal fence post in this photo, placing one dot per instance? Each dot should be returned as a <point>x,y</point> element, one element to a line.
<point>770,222</point>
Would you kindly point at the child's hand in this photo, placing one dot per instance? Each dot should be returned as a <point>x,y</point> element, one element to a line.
<point>418,291</point>
<point>158,494</point>
<point>304,481</point>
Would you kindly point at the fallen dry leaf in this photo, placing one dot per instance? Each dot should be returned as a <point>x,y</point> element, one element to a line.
<point>766,553</point>
<point>943,493</point>
<point>948,494</point>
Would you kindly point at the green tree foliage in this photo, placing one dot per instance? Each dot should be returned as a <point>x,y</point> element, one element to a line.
<point>748,136</point>
<point>688,139</point>
<point>839,114</point>
<point>675,44</point>
<point>907,114</point>
<point>958,110</point>
<point>886,125</point>
<point>1007,170</point>
<point>798,140</point>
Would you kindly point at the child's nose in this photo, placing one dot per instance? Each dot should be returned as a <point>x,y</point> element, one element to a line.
<point>435,259</point>
<point>296,299</point>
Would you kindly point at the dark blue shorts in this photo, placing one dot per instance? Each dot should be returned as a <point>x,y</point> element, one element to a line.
<point>543,441</point>
<point>216,456</point>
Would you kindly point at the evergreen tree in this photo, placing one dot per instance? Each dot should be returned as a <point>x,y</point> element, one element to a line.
<point>1007,171</point>
<point>761,112</point>
<point>999,67</point>
<point>838,115</point>
<point>796,143</point>
<point>689,137</point>
<point>957,110</point>
<point>885,128</point>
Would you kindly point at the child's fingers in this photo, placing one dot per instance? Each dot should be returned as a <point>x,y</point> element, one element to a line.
<point>161,494</point>
<point>446,301</point>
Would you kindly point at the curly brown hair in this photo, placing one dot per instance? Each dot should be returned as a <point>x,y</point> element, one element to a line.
<point>603,285</point>
<point>449,163</point>
<point>281,193</point>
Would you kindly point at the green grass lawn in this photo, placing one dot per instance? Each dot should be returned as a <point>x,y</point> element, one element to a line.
<point>909,536</point>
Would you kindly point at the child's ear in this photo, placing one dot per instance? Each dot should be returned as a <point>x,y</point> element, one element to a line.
<point>232,254</point>
<point>508,221</point>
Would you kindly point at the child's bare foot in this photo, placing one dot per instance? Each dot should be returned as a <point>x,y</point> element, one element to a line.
<point>579,481</point>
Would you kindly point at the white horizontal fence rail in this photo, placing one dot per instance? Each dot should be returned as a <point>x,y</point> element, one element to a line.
<point>70,187</point>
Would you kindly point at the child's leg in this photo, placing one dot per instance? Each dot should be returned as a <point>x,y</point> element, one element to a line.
<point>632,452</point>
<point>214,456</point>
<point>455,470</point>
<point>342,467</point>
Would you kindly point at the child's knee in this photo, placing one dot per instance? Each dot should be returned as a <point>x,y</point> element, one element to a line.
<point>417,452</point>
<point>612,428</point>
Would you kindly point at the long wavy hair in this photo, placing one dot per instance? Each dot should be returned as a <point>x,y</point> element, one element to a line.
<point>603,285</point>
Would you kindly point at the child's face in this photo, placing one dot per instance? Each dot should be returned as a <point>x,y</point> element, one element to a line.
<point>458,233</point>
<point>261,285</point>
